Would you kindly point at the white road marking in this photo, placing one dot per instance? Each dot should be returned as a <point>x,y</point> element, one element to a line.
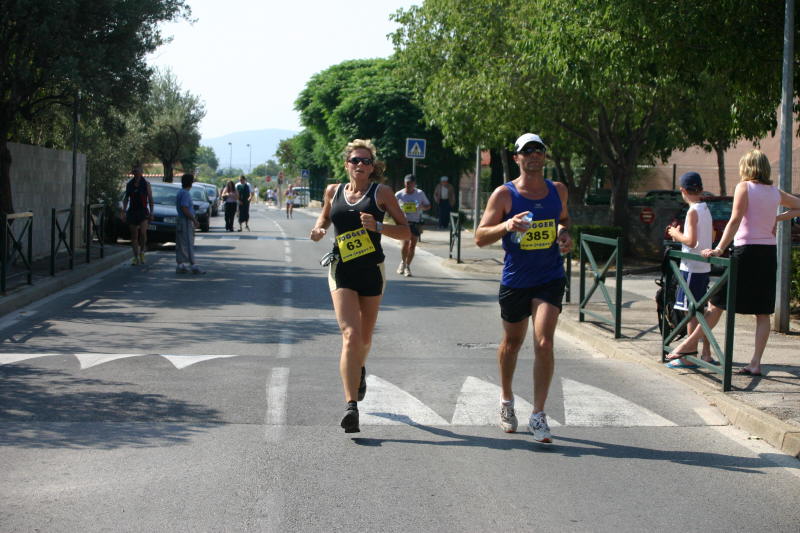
<point>760,448</point>
<point>711,416</point>
<point>182,361</point>
<point>386,404</point>
<point>275,419</point>
<point>478,404</point>
<point>88,360</point>
<point>588,406</point>
<point>9,358</point>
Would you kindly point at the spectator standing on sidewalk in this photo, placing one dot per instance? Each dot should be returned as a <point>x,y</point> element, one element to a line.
<point>184,231</point>
<point>137,212</point>
<point>356,277</point>
<point>751,228</point>
<point>533,278</point>
<point>445,196</point>
<point>230,199</point>
<point>695,237</point>
<point>245,192</point>
<point>413,202</point>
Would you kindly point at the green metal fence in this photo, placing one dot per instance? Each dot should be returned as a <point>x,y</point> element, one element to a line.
<point>696,308</point>
<point>599,275</point>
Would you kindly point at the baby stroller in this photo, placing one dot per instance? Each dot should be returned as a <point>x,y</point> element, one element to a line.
<point>665,299</point>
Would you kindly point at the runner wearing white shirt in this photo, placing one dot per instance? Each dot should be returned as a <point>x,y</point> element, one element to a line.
<point>413,202</point>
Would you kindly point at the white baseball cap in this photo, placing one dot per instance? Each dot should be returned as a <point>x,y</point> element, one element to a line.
<point>443,178</point>
<point>526,138</point>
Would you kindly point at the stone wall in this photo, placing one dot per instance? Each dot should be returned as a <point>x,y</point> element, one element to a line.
<point>41,179</point>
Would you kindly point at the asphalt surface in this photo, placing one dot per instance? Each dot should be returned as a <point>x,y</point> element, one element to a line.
<point>143,400</point>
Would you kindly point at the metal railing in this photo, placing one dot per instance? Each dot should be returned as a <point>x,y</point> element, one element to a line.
<point>455,235</point>
<point>95,219</point>
<point>61,233</point>
<point>729,276</point>
<point>15,240</point>
<point>599,275</point>
<point>568,273</point>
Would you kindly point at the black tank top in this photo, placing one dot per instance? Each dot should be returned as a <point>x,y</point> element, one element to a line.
<point>137,195</point>
<point>347,217</point>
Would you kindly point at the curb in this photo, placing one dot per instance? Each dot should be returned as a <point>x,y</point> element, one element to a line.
<point>27,294</point>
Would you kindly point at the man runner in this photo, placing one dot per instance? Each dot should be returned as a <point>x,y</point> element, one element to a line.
<point>413,201</point>
<point>533,278</point>
<point>137,212</point>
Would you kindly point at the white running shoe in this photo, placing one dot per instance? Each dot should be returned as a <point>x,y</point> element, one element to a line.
<point>508,419</point>
<point>539,427</point>
<point>407,272</point>
<point>401,269</point>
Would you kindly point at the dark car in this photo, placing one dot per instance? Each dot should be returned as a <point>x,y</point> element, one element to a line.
<point>213,196</point>
<point>163,226</point>
<point>720,208</point>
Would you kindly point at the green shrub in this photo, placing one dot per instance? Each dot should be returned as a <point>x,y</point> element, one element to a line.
<point>600,252</point>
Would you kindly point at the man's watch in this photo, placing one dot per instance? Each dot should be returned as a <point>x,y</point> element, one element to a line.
<point>378,227</point>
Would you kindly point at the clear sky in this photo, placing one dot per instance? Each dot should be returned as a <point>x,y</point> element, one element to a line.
<point>248,60</point>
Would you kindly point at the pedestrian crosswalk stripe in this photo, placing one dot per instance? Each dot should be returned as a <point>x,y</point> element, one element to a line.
<point>88,360</point>
<point>387,404</point>
<point>478,404</point>
<point>588,406</point>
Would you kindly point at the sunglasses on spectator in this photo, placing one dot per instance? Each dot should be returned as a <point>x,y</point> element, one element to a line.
<point>362,160</point>
<point>532,149</point>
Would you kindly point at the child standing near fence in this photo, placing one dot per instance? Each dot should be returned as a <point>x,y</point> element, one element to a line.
<point>696,236</point>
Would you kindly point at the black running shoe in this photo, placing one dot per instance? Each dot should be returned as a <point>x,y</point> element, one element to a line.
<point>362,387</point>
<point>350,420</point>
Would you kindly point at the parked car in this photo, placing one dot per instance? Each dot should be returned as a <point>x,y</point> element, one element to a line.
<point>163,226</point>
<point>302,196</point>
<point>213,195</point>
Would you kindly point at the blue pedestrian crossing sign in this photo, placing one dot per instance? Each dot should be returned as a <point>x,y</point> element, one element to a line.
<point>415,148</point>
<point>304,173</point>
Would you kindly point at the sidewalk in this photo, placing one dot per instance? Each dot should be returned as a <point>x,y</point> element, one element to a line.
<point>767,407</point>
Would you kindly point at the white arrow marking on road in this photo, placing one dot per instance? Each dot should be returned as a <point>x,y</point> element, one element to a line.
<point>9,358</point>
<point>387,404</point>
<point>88,360</point>
<point>588,406</point>
<point>182,361</point>
<point>478,404</point>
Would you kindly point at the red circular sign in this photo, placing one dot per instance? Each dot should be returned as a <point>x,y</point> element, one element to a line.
<point>647,215</point>
<point>269,178</point>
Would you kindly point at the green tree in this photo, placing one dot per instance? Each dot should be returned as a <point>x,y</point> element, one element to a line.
<point>205,155</point>
<point>50,52</point>
<point>172,119</point>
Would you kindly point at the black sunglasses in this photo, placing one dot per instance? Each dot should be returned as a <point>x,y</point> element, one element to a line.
<point>357,160</point>
<point>535,149</point>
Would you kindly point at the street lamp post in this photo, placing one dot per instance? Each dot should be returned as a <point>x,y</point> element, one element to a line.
<point>250,162</point>
<point>230,158</point>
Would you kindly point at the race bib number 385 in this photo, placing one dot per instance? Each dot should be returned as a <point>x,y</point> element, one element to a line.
<point>539,236</point>
<point>354,244</point>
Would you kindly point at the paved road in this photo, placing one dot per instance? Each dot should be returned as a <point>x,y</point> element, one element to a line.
<point>147,401</point>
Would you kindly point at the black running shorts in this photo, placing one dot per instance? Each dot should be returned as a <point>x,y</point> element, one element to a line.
<point>366,280</point>
<point>515,304</point>
<point>134,217</point>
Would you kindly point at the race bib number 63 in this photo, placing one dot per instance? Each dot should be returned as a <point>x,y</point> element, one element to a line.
<point>540,236</point>
<point>354,244</point>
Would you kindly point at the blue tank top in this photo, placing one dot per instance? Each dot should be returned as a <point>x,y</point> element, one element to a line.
<point>535,260</point>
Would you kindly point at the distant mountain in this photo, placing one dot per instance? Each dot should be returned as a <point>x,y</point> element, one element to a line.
<point>264,143</point>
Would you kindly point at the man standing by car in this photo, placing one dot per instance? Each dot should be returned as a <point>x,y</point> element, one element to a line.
<point>244,191</point>
<point>138,198</point>
<point>413,202</point>
<point>445,196</point>
<point>184,230</point>
<point>530,215</point>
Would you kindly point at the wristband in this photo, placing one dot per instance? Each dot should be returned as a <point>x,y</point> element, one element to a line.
<point>378,227</point>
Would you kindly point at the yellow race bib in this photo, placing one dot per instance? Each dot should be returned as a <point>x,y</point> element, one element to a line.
<point>540,236</point>
<point>410,207</point>
<point>354,244</point>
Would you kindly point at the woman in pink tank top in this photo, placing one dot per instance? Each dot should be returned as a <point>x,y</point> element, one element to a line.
<point>751,228</point>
